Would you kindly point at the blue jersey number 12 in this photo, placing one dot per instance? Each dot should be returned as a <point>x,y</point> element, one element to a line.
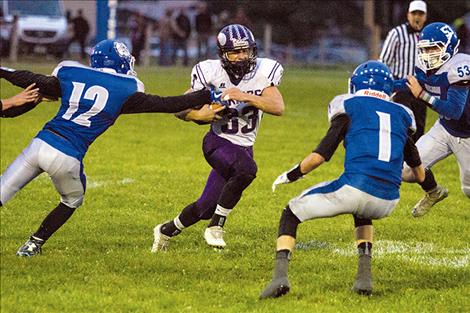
<point>97,93</point>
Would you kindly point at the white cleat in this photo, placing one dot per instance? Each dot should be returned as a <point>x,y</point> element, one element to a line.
<point>214,237</point>
<point>429,200</point>
<point>160,241</point>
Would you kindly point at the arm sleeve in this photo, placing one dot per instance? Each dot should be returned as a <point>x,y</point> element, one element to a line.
<point>410,153</point>
<point>19,110</point>
<point>141,102</point>
<point>454,106</point>
<point>335,134</point>
<point>49,86</point>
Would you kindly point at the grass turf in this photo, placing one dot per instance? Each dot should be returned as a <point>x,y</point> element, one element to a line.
<point>147,167</point>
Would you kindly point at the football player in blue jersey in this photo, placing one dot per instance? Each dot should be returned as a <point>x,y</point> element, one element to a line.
<point>443,81</point>
<point>20,103</point>
<point>376,138</point>
<point>92,99</point>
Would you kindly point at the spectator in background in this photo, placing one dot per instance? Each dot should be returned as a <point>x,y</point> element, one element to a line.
<point>204,31</point>
<point>138,37</point>
<point>463,33</point>
<point>241,18</point>
<point>81,28</point>
<point>400,54</point>
<point>222,20</point>
<point>166,40</point>
<point>181,30</point>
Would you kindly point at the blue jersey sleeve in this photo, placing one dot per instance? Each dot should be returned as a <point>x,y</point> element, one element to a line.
<point>454,105</point>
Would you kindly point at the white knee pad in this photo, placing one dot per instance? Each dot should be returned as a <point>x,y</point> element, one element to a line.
<point>72,201</point>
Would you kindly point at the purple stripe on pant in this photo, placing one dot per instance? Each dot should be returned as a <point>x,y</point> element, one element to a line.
<point>233,169</point>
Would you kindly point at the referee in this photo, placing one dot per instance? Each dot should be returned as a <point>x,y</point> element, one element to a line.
<point>399,52</point>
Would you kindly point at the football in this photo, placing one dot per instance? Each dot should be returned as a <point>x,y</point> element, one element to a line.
<point>215,106</point>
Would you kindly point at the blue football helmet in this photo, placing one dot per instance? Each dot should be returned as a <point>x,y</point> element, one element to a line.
<point>372,75</point>
<point>437,44</point>
<point>113,54</point>
<point>235,37</point>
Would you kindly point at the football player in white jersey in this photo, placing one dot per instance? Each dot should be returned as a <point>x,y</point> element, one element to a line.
<point>249,84</point>
<point>442,81</point>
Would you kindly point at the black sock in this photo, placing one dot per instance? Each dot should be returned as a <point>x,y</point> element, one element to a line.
<point>169,229</point>
<point>53,221</point>
<point>429,182</point>
<point>187,217</point>
<point>217,220</point>
<point>364,248</point>
<point>282,263</point>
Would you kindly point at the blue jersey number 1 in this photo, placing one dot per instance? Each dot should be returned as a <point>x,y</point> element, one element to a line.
<point>385,141</point>
<point>97,93</point>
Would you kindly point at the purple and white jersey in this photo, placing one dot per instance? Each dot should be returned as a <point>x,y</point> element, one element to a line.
<point>241,125</point>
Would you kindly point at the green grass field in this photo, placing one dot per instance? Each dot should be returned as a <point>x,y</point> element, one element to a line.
<point>145,168</point>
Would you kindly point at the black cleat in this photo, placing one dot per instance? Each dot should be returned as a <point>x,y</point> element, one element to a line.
<point>277,288</point>
<point>30,248</point>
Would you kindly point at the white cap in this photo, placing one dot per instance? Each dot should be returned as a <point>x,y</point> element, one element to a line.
<point>417,5</point>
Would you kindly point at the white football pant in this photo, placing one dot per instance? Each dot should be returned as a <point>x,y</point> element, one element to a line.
<point>437,144</point>
<point>65,172</point>
<point>345,200</point>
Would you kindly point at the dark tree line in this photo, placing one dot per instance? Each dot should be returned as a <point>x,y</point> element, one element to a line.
<point>301,22</point>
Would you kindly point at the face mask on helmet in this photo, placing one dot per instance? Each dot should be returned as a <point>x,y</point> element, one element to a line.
<point>371,75</point>
<point>112,54</point>
<point>436,45</point>
<point>237,50</point>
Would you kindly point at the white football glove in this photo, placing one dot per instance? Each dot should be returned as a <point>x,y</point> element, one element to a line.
<point>281,179</point>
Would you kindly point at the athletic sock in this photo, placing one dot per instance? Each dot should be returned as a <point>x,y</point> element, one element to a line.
<point>219,217</point>
<point>282,263</point>
<point>53,221</point>
<point>429,183</point>
<point>171,229</point>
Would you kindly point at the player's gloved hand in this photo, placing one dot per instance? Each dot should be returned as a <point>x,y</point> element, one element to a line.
<point>216,96</point>
<point>288,177</point>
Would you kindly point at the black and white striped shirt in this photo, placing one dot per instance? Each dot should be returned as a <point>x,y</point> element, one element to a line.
<point>399,51</point>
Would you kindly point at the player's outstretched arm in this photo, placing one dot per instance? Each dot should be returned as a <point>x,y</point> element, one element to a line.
<point>21,103</point>
<point>49,86</point>
<point>308,164</point>
<point>323,152</point>
<point>145,103</point>
<point>204,115</point>
<point>270,101</point>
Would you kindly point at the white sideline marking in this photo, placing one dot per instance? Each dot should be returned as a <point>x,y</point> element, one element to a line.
<point>91,184</point>
<point>424,253</point>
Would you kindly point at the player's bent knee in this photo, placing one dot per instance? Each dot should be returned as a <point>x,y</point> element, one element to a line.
<point>72,201</point>
<point>288,223</point>
<point>246,179</point>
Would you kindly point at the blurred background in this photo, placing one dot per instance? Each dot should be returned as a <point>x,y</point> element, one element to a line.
<point>167,33</point>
